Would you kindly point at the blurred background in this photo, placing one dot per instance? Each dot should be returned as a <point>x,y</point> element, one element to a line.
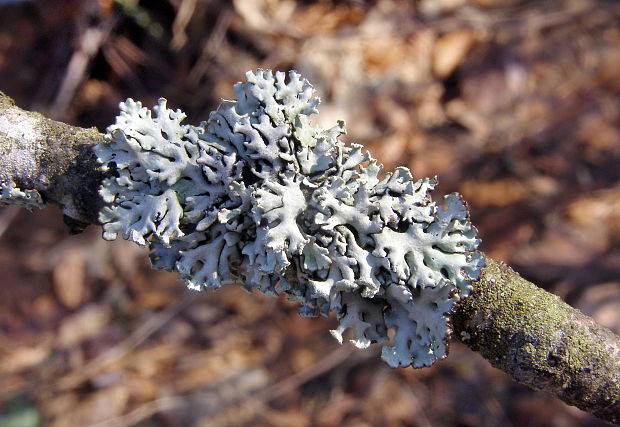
<point>515,104</point>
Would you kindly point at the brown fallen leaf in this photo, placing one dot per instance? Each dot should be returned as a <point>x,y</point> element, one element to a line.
<point>601,207</point>
<point>85,324</point>
<point>501,192</point>
<point>69,276</point>
<point>450,50</point>
<point>98,407</point>
<point>21,358</point>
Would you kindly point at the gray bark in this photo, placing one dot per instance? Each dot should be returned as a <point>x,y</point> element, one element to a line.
<point>45,161</point>
<point>519,328</point>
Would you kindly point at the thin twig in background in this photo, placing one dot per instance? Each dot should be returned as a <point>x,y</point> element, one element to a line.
<point>322,366</point>
<point>252,404</point>
<point>123,56</point>
<point>181,20</point>
<point>90,42</point>
<point>211,46</point>
<point>145,411</point>
<point>255,405</point>
<point>139,335</point>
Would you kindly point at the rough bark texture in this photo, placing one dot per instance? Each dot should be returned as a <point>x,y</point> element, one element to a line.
<point>541,342</point>
<point>52,161</point>
<point>521,329</point>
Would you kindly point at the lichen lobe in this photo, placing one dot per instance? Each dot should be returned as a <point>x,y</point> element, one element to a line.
<point>258,194</point>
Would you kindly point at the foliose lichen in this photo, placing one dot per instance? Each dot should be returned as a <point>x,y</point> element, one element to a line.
<point>10,194</point>
<point>259,195</point>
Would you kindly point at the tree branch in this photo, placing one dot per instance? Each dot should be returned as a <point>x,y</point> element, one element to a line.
<point>44,161</point>
<point>519,328</point>
<point>540,341</point>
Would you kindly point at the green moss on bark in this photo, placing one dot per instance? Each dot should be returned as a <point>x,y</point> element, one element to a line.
<point>541,341</point>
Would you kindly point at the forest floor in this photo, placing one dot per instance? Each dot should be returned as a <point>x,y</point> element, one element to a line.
<point>514,104</point>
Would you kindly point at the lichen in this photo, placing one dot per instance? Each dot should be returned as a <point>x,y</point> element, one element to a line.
<point>10,194</point>
<point>258,194</point>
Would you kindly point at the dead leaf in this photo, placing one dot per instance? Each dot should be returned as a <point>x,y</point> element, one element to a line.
<point>85,324</point>
<point>434,8</point>
<point>450,50</point>
<point>142,389</point>
<point>601,208</point>
<point>100,406</point>
<point>563,245</point>
<point>405,406</point>
<point>25,357</point>
<point>264,16</point>
<point>501,192</point>
<point>148,362</point>
<point>426,162</point>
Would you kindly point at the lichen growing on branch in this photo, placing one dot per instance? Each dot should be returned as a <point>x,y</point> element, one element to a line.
<point>10,194</point>
<point>258,194</point>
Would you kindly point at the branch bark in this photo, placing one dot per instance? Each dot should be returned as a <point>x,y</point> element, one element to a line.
<point>51,162</point>
<point>519,328</point>
<point>540,341</point>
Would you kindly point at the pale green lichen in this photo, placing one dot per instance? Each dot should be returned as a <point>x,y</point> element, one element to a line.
<point>258,194</point>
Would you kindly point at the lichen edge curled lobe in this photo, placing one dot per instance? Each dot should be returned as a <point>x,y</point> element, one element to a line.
<point>258,194</point>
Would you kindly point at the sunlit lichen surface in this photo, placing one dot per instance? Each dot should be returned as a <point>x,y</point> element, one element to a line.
<point>258,195</point>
